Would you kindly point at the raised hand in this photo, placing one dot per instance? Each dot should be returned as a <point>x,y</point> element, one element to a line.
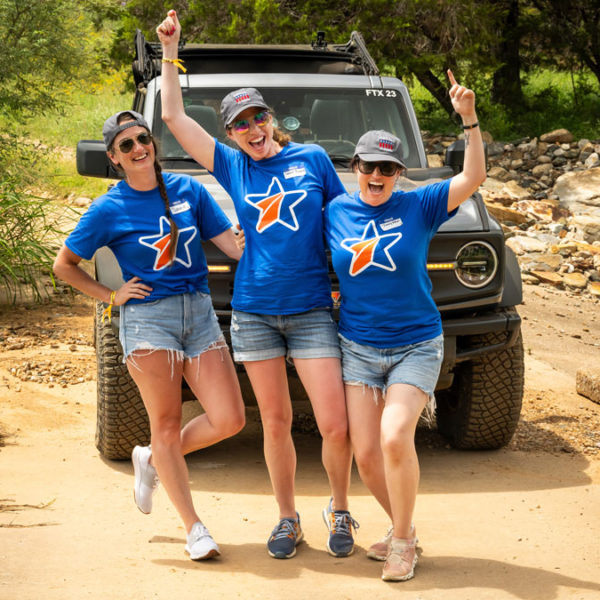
<point>463,99</point>
<point>169,31</point>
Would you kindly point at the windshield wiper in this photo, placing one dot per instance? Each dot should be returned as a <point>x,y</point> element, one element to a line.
<point>177,159</point>
<point>340,159</point>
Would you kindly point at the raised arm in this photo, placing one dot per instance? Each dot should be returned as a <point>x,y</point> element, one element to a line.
<point>227,243</point>
<point>194,139</point>
<point>473,173</point>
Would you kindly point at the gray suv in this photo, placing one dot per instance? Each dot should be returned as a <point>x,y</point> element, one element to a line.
<point>330,95</point>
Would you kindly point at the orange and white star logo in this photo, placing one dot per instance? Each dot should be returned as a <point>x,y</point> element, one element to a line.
<point>276,206</point>
<point>161,242</point>
<point>363,249</point>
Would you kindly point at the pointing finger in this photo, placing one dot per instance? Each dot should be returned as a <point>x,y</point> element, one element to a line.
<point>451,77</point>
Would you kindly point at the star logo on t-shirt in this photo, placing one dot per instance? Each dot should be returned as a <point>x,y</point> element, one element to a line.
<point>162,244</point>
<point>276,206</point>
<point>363,249</point>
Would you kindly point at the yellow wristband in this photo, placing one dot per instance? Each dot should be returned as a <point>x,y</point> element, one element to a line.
<point>108,310</point>
<point>175,61</point>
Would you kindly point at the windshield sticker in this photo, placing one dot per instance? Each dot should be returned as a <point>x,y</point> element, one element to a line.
<point>294,172</point>
<point>381,93</point>
<point>179,207</point>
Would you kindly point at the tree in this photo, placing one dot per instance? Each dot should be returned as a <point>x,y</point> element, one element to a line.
<point>44,46</point>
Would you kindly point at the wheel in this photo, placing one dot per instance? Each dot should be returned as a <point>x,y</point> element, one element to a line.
<point>122,421</point>
<point>481,410</point>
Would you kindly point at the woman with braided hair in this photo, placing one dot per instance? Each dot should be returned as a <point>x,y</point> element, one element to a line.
<point>155,223</point>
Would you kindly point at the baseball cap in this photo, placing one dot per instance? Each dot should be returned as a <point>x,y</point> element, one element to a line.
<point>238,101</point>
<point>112,127</point>
<point>379,145</point>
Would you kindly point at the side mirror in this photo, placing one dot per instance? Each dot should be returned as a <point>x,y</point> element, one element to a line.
<point>455,156</point>
<point>93,161</point>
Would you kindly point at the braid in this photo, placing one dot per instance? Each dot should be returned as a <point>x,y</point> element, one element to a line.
<point>163,194</point>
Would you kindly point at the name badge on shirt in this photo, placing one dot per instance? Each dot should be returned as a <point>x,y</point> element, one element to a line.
<point>390,224</point>
<point>180,207</point>
<point>294,172</point>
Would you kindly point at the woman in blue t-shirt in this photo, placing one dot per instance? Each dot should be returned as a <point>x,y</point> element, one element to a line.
<point>282,297</point>
<point>390,328</point>
<point>168,328</point>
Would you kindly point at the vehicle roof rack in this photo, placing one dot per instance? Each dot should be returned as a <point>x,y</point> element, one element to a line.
<point>352,57</point>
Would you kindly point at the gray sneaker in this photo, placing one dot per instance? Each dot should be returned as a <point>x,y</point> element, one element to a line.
<point>340,524</point>
<point>146,479</point>
<point>200,544</point>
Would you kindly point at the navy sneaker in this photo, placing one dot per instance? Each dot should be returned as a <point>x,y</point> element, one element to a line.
<point>339,523</point>
<point>285,537</point>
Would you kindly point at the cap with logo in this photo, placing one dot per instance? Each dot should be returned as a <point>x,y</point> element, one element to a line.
<point>238,101</point>
<point>112,127</point>
<point>379,145</point>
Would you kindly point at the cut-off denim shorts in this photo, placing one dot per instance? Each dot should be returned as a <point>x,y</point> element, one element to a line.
<point>185,324</point>
<point>415,364</point>
<point>311,334</point>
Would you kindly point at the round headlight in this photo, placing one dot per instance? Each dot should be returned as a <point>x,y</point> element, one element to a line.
<point>476,264</point>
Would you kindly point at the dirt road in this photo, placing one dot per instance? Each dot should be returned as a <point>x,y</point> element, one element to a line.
<point>522,522</point>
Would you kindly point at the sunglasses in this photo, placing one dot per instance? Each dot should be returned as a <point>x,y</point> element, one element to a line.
<point>126,146</point>
<point>243,126</point>
<point>386,168</point>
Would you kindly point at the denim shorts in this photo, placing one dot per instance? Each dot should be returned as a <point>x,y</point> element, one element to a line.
<point>185,324</point>
<point>415,364</point>
<point>311,334</point>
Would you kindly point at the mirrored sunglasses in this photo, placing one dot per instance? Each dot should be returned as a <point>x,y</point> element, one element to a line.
<point>386,168</point>
<point>126,145</point>
<point>243,125</point>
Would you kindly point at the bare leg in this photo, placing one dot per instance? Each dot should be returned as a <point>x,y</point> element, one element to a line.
<point>365,407</point>
<point>270,385</point>
<point>159,383</point>
<point>403,406</point>
<point>322,380</point>
<point>212,378</point>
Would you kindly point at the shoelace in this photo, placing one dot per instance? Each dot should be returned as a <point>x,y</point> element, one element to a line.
<point>285,528</point>
<point>342,523</point>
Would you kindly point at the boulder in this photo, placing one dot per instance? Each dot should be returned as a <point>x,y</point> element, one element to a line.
<point>558,136</point>
<point>587,382</point>
<point>579,191</point>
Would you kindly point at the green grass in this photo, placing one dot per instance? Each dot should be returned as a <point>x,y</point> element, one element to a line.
<point>554,100</point>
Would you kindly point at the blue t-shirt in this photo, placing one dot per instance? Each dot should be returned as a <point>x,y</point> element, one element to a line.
<point>134,226</point>
<point>279,202</point>
<point>379,254</point>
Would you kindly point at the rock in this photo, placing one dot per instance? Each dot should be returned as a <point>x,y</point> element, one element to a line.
<point>593,160</point>
<point>575,280</point>
<point>504,214</point>
<point>587,382</point>
<point>499,173</point>
<point>552,261</point>
<point>557,136</point>
<point>526,278</point>
<point>579,191</point>
<point>522,243</point>
<point>542,169</point>
<point>594,288</point>
<point>541,211</point>
<point>82,202</point>
<point>435,160</point>
<point>586,228</point>
<point>552,278</point>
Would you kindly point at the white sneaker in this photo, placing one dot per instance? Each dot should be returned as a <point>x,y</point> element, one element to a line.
<point>200,544</point>
<point>146,479</point>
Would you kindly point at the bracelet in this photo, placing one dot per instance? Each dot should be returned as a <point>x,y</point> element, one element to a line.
<point>175,61</point>
<point>476,124</point>
<point>108,310</point>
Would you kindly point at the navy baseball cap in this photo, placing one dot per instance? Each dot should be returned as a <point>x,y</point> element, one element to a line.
<point>112,127</point>
<point>379,145</point>
<point>238,101</point>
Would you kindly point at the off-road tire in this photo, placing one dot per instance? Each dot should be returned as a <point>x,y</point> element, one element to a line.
<point>481,410</point>
<point>122,421</point>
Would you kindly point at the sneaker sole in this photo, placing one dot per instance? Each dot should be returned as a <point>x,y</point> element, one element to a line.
<point>325,515</point>
<point>280,555</point>
<point>210,554</point>
<point>136,467</point>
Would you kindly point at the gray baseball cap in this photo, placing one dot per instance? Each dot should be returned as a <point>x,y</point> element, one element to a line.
<point>238,101</point>
<point>379,145</point>
<point>112,127</point>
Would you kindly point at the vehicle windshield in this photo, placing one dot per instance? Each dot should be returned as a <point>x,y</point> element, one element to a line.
<point>334,118</point>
